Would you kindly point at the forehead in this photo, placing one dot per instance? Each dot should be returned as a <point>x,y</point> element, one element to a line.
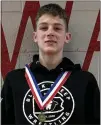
<point>49,19</point>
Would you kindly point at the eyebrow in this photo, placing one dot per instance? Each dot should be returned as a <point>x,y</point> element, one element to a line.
<point>53,24</point>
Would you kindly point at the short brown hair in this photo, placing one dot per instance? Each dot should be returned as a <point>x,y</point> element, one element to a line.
<point>54,10</point>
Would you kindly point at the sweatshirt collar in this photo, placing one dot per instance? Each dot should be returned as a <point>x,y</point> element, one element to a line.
<point>65,65</point>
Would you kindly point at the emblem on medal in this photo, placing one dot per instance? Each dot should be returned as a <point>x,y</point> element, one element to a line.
<point>42,117</point>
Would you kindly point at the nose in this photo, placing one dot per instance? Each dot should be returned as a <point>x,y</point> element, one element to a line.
<point>50,32</point>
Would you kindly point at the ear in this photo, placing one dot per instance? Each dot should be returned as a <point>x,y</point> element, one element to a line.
<point>35,37</point>
<point>68,37</point>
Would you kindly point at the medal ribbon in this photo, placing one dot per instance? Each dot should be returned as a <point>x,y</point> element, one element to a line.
<point>41,100</point>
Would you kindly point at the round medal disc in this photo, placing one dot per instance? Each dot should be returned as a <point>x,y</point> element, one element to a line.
<point>41,117</point>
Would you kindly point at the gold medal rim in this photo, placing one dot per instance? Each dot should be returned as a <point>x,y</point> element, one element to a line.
<point>42,120</point>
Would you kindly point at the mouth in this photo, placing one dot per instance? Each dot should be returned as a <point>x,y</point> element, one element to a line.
<point>50,41</point>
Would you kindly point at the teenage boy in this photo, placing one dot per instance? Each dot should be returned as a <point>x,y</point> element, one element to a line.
<point>52,90</point>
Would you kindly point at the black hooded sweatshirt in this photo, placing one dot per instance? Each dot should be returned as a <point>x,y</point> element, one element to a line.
<point>77,101</point>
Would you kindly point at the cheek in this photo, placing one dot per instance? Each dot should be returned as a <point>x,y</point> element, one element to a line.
<point>40,38</point>
<point>40,35</point>
<point>62,38</point>
<point>62,41</point>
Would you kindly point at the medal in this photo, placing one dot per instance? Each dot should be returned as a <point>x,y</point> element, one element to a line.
<point>42,117</point>
<point>41,100</point>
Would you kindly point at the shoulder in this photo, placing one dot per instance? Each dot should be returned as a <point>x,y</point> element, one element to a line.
<point>85,77</point>
<point>90,76</point>
<point>16,73</point>
<point>90,79</point>
<point>14,77</point>
<point>84,74</point>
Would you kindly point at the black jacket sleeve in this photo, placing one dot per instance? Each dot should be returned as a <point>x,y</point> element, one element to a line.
<point>92,102</point>
<point>7,104</point>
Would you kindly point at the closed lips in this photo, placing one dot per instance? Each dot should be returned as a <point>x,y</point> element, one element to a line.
<point>50,41</point>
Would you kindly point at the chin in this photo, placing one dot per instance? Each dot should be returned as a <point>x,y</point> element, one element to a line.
<point>50,51</point>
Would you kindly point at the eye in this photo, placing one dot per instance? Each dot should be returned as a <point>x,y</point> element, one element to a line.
<point>43,28</point>
<point>57,28</point>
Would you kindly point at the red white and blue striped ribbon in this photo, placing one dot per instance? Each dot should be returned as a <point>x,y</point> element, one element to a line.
<point>41,100</point>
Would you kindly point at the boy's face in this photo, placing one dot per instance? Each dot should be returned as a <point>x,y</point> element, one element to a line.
<point>51,34</point>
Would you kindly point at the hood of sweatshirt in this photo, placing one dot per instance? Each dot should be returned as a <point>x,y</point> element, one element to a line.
<point>65,65</point>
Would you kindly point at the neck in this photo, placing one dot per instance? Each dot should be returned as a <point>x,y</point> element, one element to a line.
<point>50,61</point>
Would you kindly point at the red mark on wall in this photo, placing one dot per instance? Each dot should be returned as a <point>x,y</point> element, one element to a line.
<point>68,9</point>
<point>94,44</point>
<point>30,10</point>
